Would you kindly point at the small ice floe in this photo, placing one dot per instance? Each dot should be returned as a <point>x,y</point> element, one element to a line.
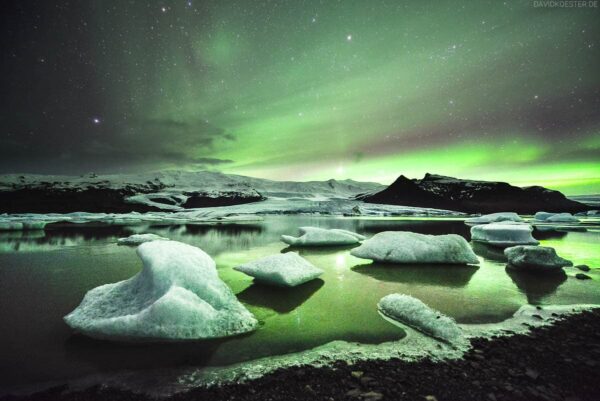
<point>506,233</point>
<point>315,236</point>
<point>137,239</point>
<point>21,224</point>
<point>409,247</point>
<point>529,257</point>
<point>414,313</point>
<point>284,269</point>
<point>495,218</point>
<point>177,296</point>
<point>556,217</point>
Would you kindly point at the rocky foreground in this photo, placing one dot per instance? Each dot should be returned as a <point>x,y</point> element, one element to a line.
<point>561,362</point>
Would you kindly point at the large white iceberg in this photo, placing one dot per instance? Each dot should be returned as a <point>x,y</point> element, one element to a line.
<point>315,236</point>
<point>284,269</point>
<point>178,295</point>
<point>535,258</point>
<point>414,313</point>
<point>556,217</point>
<point>137,239</point>
<point>503,234</point>
<point>409,247</point>
<point>494,218</point>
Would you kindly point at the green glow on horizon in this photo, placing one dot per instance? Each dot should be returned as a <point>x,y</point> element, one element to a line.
<point>420,87</point>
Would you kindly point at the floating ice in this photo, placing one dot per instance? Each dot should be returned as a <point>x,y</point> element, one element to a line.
<point>556,217</point>
<point>494,218</point>
<point>535,258</point>
<point>137,239</point>
<point>284,269</point>
<point>178,295</point>
<point>315,236</point>
<point>503,234</point>
<point>414,313</point>
<point>408,247</point>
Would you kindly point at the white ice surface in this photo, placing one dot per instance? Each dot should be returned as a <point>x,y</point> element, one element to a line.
<point>178,295</point>
<point>409,247</point>
<point>556,217</point>
<point>137,239</point>
<point>315,236</point>
<point>494,218</point>
<point>535,258</point>
<point>283,269</point>
<point>503,234</point>
<point>413,312</point>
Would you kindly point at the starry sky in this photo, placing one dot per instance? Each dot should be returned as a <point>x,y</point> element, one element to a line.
<point>303,90</point>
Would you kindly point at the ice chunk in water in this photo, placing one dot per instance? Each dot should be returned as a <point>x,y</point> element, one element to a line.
<point>315,236</point>
<point>408,247</point>
<point>178,295</point>
<point>503,234</point>
<point>414,313</point>
<point>284,269</point>
<point>137,239</point>
<point>494,218</point>
<point>535,258</point>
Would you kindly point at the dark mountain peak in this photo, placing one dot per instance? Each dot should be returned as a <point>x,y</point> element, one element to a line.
<point>442,192</point>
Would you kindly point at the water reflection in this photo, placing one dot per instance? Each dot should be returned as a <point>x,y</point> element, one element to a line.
<point>535,285</point>
<point>455,276</point>
<point>281,300</point>
<point>542,233</point>
<point>488,252</point>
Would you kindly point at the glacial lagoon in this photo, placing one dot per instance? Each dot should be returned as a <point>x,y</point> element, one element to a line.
<point>45,274</point>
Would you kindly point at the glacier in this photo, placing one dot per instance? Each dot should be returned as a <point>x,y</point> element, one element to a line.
<point>177,296</point>
<point>284,269</point>
<point>409,247</point>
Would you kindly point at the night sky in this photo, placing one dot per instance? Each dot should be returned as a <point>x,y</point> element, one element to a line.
<point>304,90</point>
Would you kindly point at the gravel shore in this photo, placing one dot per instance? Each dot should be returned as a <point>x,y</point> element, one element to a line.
<point>560,362</point>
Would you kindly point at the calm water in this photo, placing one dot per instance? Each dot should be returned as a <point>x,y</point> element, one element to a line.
<point>44,275</point>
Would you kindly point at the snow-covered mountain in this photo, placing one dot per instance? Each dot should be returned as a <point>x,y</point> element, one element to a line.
<point>169,190</point>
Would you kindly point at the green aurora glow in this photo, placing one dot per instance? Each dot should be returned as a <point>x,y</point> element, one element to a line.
<point>368,90</point>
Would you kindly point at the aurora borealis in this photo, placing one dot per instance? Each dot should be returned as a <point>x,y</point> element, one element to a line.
<point>301,90</point>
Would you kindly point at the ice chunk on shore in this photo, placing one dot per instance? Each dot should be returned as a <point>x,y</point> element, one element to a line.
<point>409,247</point>
<point>178,295</point>
<point>556,217</point>
<point>137,239</point>
<point>414,313</point>
<point>504,234</point>
<point>284,269</point>
<point>535,258</point>
<point>494,218</point>
<point>315,236</point>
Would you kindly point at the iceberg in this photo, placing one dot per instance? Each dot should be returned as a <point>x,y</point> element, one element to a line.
<point>414,313</point>
<point>409,247</point>
<point>535,258</point>
<point>556,217</point>
<point>137,239</point>
<point>286,270</point>
<point>503,234</point>
<point>494,218</point>
<point>315,236</point>
<point>177,296</point>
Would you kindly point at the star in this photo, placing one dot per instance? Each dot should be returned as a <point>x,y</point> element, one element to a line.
<point>349,38</point>
<point>96,120</point>
<point>163,9</point>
